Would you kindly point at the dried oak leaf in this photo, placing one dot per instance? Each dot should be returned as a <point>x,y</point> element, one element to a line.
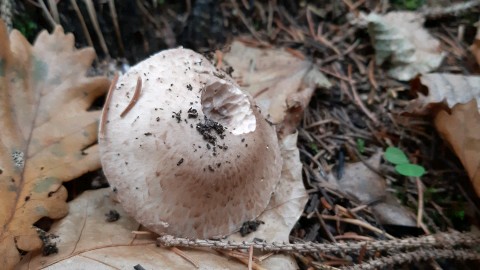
<point>461,126</point>
<point>45,132</point>
<point>281,83</point>
<point>400,40</point>
<point>86,240</point>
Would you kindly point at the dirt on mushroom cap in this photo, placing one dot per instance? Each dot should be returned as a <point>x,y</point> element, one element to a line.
<point>203,169</point>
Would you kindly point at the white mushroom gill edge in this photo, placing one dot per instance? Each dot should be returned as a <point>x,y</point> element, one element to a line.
<point>226,104</point>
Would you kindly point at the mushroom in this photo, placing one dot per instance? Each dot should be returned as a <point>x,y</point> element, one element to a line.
<point>186,150</point>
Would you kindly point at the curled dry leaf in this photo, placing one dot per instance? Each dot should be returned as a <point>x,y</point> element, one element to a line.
<point>280,83</point>
<point>461,129</point>
<point>400,40</point>
<point>85,238</point>
<point>46,132</point>
<point>449,88</point>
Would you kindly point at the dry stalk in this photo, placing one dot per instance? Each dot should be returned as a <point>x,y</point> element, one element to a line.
<point>454,9</point>
<point>440,240</point>
<point>93,18</point>
<point>52,4</point>
<point>113,13</point>
<point>47,14</point>
<point>6,13</point>
<point>82,22</point>
<point>416,256</point>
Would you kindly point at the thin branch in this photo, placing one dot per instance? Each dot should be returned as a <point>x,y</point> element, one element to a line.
<point>96,26</point>
<point>82,22</point>
<point>430,241</point>
<point>113,13</point>
<point>416,256</point>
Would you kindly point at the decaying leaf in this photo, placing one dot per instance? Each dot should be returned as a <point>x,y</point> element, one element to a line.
<point>475,47</point>
<point>400,40</point>
<point>363,185</point>
<point>461,129</point>
<point>87,241</point>
<point>451,88</point>
<point>281,83</point>
<point>45,132</point>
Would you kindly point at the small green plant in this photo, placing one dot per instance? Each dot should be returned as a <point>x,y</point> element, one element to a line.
<point>408,4</point>
<point>402,164</point>
<point>361,145</point>
<point>314,147</point>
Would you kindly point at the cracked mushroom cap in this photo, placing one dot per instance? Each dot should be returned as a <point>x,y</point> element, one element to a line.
<point>188,152</point>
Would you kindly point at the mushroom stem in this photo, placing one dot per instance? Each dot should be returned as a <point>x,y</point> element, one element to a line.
<point>136,95</point>
<point>107,105</point>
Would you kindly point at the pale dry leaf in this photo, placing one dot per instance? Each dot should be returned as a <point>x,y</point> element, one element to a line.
<point>363,185</point>
<point>461,129</point>
<point>87,241</point>
<point>400,39</point>
<point>475,47</point>
<point>46,132</point>
<point>280,83</point>
<point>449,88</point>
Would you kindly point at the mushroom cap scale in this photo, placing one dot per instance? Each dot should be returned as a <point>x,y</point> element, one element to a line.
<point>193,157</point>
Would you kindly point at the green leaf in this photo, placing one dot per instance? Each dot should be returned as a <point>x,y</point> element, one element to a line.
<point>396,156</point>
<point>314,147</point>
<point>408,169</point>
<point>361,145</point>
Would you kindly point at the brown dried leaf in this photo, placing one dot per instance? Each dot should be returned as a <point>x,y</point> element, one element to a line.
<point>44,97</point>
<point>461,129</point>
<point>87,241</point>
<point>281,83</point>
<point>400,39</point>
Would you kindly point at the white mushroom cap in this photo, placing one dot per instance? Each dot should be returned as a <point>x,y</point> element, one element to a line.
<point>173,166</point>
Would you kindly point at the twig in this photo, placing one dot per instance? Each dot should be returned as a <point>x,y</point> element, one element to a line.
<point>420,206</point>
<point>359,223</point>
<point>415,256</point>
<point>47,13</point>
<point>250,257</point>
<point>185,256</point>
<point>245,21</point>
<point>357,99</point>
<point>113,12</point>
<point>255,266</point>
<point>52,4</point>
<point>435,13</point>
<point>82,22</point>
<point>96,26</point>
<point>136,95</point>
<point>430,241</point>
<point>6,13</point>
